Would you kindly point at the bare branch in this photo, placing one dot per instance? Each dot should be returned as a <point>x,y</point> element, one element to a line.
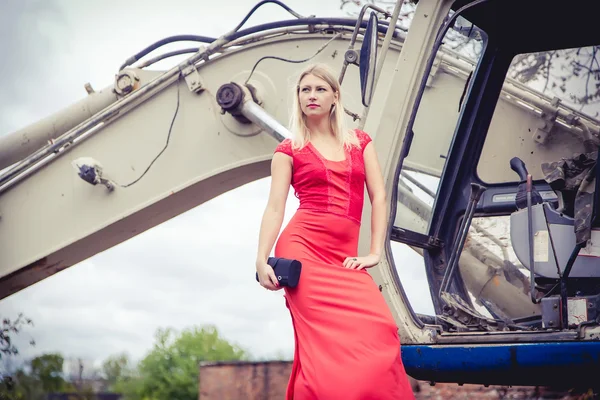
<point>10,328</point>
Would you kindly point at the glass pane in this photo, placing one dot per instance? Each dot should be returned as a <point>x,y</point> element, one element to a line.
<point>496,280</point>
<point>547,112</point>
<point>410,266</point>
<point>549,103</point>
<point>435,124</point>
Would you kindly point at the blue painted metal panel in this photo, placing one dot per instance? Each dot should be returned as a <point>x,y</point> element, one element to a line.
<point>558,364</point>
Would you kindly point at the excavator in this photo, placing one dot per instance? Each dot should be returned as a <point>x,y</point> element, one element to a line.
<point>490,180</point>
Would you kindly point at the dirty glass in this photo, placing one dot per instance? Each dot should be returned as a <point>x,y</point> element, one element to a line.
<point>548,110</point>
<point>435,124</point>
<point>549,105</point>
<point>434,128</point>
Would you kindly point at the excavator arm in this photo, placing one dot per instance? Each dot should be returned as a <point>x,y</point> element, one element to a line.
<point>158,143</point>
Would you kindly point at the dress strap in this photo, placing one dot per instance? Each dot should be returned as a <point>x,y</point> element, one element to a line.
<point>285,147</point>
<point>363,138</point>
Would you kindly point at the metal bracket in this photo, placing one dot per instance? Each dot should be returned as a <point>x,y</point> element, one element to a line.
<point>415,239</point>
<point>193,79</point>
<point>549,114</point>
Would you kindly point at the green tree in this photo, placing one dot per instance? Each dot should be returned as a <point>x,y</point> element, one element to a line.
<point>171,368</point>
<point>48,369</point>
<point>122,376</point>
<point>45,376</point>
<point>117,367</point>
<point>21,386</point>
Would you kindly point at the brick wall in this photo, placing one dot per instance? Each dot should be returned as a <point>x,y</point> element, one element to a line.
<point>442,391</point>
<point>244,380</point>
<point>268,381</point>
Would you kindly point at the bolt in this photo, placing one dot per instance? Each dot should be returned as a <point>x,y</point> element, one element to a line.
<point>125,84</point>
<point>88,88</point>
<point>351,56</point>
<point>230,96</point>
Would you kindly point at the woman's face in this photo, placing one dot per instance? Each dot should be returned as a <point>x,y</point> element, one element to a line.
<point>316,96</point>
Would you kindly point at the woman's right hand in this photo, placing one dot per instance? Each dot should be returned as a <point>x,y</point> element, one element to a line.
<point>266,276</point>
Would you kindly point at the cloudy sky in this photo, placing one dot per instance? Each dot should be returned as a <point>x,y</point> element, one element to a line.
<point>172,275</point>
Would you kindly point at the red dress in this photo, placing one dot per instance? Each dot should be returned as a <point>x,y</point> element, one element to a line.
<point>346,341</point>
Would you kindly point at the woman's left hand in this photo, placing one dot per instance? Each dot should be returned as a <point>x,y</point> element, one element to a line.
<point>361,262</point>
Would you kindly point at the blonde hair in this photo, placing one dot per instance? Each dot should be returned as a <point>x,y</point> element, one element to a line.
<point>301,134</point>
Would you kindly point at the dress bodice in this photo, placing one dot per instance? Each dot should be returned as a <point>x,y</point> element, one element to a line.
<point>329,186</point>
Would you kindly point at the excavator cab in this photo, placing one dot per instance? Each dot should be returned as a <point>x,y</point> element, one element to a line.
<point>504,184</point>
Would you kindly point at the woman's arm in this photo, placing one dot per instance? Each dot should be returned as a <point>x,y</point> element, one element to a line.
<point>379,206</point>
<point>281,176</point>
<point>379,212</point>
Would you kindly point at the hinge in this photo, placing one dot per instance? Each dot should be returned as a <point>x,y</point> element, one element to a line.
<point>435,242</point>
<point>415,239</point>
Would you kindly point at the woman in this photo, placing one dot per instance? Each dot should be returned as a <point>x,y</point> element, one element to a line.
<point>347,345</point>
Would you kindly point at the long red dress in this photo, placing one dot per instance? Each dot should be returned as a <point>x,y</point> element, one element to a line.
<point>346,341</point>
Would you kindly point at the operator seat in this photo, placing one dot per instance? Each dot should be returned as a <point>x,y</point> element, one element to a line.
<point>554,230</point>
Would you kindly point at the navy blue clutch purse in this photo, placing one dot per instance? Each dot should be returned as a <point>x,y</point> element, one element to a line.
<point>287,271</point>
